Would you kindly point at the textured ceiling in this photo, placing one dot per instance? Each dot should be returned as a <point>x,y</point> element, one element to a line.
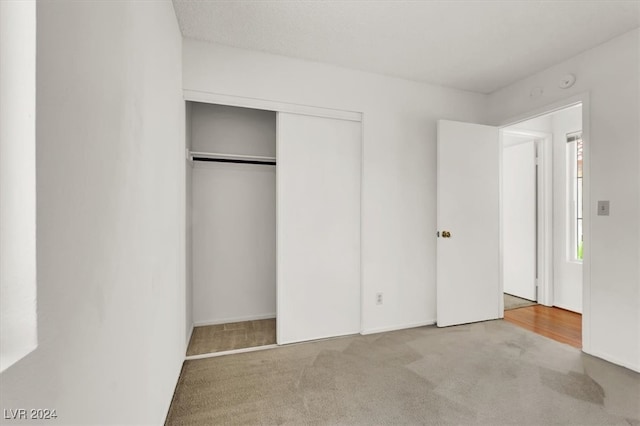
<point>471,45</point>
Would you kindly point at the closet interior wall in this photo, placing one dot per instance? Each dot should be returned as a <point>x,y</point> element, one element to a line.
<point>233,215</point>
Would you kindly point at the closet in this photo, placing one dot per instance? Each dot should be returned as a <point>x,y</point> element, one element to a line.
<point>274,208</point>
<point>233,207</point>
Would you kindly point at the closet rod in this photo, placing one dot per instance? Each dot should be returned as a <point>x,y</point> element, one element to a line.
<point>232,158</point>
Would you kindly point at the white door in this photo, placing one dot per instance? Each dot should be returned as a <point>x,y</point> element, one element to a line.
<point>468,207</point>
<point>519,217</point>
<point>318,227</point>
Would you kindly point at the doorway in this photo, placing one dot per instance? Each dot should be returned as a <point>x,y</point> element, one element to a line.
<point>469,288</point>
<point>232,227</point>
<point>542,174</point>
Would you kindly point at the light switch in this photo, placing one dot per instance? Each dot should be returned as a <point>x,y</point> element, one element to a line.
<point>603,208</point>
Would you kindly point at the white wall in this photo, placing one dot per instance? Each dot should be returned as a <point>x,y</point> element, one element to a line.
<point>234,242</point>
<point>399,160</point>
<point>538,124</point>
<point>519,216</point>
<point>232,130</point>
<point>110,217</point>
<point>567,273</point>
<point>233,212</point>
<point>610,74</point>
<point>18,328</point>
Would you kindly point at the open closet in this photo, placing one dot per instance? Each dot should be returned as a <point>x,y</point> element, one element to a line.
<point>233,211</point>
<point>273,225</point>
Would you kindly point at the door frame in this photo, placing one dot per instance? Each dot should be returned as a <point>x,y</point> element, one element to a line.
<point>544,213</point>
<point>581,98</point>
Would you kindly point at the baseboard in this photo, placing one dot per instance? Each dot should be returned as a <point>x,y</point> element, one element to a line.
<point>236,319</point>
<point>231,352</point>
<point>189,336</point>
<point>397,327</point>
<point>613,360</point>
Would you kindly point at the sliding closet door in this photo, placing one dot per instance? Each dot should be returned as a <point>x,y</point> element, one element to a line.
<point>318,217</point>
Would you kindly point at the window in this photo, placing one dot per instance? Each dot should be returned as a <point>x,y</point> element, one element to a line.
<point>574,194</point>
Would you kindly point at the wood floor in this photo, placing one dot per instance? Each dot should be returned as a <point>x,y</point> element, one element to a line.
<point>237,335</point>
<point>555,323</point>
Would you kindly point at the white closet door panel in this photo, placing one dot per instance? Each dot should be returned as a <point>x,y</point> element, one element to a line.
<point>318,215</point>
<point>234,242</point>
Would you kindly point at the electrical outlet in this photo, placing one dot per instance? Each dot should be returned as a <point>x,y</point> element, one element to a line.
<point>378,298</point>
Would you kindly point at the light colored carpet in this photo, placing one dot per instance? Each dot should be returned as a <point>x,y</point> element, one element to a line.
<point>236,335</point>
<point>513,302</point>
<point>490,373</point>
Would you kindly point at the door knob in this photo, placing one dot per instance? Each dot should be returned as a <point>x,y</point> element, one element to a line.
<point>446,234</point>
